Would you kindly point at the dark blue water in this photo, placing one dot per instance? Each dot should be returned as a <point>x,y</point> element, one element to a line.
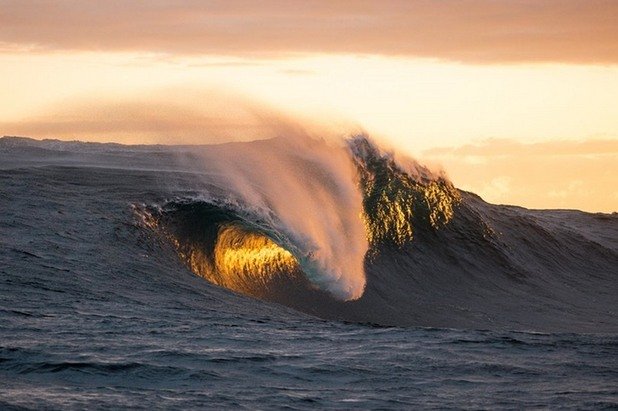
<point>96,313</point>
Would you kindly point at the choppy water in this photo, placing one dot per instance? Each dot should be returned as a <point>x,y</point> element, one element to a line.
<point>96,312</point>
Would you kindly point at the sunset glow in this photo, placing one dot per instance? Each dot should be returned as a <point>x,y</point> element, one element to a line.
<point>493,92</point>
<point>308,204</point>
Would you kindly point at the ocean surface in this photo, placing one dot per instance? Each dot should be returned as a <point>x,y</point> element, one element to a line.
<point>292,274</point>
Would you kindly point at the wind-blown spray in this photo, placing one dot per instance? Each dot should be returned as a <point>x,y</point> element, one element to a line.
<point>305,190</point>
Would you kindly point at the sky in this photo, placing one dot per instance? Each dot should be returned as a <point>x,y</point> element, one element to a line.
<point>515,100</point>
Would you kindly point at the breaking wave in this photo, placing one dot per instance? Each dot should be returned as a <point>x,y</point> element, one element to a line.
<point>299,214</point>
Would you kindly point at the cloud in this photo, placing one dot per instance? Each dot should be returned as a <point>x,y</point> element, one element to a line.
<point>568,189</point>
<point>497,188</point>
<point>477,31</point>
<point>509,148</point>
<point>552,174</point>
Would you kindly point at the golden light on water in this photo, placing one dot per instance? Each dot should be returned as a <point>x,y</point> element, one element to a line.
<point>244,257</point>
<point>394,201</point>
<point>396,209</point>
<point>242,261</point>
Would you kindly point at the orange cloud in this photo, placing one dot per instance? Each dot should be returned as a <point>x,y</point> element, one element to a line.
<point>510,148</point>
<point>477,31</point>
<point>552,174</point>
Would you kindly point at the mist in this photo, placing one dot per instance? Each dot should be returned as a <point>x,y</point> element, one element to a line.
<point>178,115</point>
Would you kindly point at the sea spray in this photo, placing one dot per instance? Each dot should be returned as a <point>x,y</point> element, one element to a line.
<point>307,189</point>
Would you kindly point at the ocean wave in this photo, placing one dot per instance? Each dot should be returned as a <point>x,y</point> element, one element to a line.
<point>349,231</point>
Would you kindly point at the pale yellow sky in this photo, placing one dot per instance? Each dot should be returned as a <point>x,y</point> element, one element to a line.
<point>418,74</point>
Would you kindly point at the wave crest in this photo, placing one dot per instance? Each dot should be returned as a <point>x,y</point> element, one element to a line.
<point>397,197</point>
